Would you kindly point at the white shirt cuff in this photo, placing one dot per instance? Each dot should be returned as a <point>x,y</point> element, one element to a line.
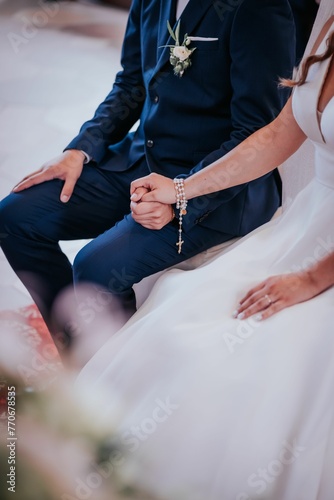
<point>87,157</point>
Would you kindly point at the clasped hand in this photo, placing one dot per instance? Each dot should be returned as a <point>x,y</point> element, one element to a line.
<point>150,214</point>
<point>151,199</point>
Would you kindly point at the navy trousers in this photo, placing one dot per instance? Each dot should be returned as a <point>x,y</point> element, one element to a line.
<point>121,253</point>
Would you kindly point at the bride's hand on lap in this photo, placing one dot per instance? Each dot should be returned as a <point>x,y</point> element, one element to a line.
<point>159,189</point>
<point>277,293</point>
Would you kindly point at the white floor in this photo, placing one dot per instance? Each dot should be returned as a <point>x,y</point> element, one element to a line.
<point>57,62</point>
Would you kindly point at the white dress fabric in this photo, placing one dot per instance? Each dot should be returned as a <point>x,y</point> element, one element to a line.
<point>216,408</point>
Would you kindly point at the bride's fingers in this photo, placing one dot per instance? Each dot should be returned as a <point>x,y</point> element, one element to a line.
<point>252,298</point>
<point>150,196</point>
<point>270,311</point>
<point>253,307</point>
<point>138,194</point>
<point>253,291</point>
<point>259,301</point>
<point>142,182</point>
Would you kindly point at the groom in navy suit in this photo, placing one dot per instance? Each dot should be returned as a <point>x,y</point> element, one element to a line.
<point>185,123</point>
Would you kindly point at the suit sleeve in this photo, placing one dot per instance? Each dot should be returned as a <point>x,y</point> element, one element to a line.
<point>262,49</point>
<point>122,107</point>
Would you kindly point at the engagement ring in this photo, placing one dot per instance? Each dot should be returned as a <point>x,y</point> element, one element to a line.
<point>268,299</point>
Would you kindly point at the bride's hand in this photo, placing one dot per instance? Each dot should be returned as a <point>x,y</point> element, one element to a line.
<point>159,188</point>
<point>276,293</point>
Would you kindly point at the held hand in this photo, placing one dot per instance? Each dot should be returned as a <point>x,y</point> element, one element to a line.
<point>276,293</point>
<point>67,167</point>
<point>140,191</point>
<point>152,215</point>
<point>161,189</point>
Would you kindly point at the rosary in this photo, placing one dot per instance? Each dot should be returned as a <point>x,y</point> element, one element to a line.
<point>181,205</point>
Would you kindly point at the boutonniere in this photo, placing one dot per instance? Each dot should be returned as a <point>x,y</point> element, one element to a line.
<point>179,53</point>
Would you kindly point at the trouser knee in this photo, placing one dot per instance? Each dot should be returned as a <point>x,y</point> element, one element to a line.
<point>111,275</point>
<point>9,219</point>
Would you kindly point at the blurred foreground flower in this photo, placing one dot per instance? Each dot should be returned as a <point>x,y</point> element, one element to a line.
<point>55,443</point>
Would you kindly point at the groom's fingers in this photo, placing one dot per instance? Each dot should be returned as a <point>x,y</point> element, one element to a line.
<point>27,177</point>
<point>151,215</point>
<point>149,224</point>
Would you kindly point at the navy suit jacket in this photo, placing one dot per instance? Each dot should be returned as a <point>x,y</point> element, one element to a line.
<point>304,13</point>
<point>228,92</point>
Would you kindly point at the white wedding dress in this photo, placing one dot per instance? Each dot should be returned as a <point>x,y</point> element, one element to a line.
<point>214,408</point>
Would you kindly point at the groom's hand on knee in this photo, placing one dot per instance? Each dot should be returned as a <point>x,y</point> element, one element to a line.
<point>66,167</point>
<point>152,215</point>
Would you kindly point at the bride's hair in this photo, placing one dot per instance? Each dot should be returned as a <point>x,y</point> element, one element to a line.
<point>286,82</point>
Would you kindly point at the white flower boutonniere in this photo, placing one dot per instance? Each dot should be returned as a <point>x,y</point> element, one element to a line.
<point>179,53</point>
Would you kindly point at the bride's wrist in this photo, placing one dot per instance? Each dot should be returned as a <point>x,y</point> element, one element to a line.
<point>189,188</point>
<point>311,278</point>
<point>317,280</point>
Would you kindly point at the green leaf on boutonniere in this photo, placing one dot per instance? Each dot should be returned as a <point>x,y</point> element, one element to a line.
<point>177,33</point>
<point>171,31</point>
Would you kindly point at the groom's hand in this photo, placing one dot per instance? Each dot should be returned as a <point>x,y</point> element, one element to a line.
<point>152,215</point>
<point>67,167</point>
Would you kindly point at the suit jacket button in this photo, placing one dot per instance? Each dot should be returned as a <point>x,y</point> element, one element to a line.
<point>150,143</point>
<point>156,99</point>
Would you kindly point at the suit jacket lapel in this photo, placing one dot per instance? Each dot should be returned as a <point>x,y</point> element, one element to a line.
<point>191,16</point>
<point>167,13</point>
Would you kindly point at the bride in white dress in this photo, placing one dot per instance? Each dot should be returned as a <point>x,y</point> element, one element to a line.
<point>222,408</point>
